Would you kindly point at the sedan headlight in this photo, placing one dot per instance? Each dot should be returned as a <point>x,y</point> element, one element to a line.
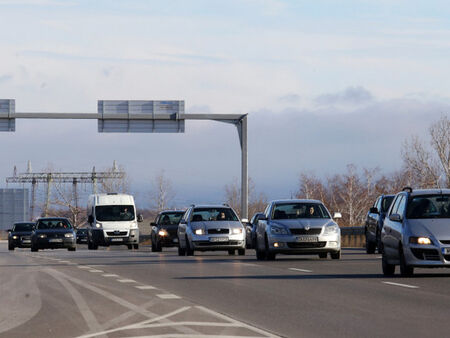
<point>277,230</point>
<point>68,235</point>
<point>420,240</point>
<point>237,231</point>
<point>331,229</point>
<point>15,237</point>
<point>199,232</point>
<point>162,233</point>
<point>42,236</point>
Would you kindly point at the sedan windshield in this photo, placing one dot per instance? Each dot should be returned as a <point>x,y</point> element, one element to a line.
<point>53,224</point>
<point>171,218</point>
<point>429,206</point>
<point>299,210</point>
<point>23,226</point>
<point>114,213</point>
<point>213,214</point>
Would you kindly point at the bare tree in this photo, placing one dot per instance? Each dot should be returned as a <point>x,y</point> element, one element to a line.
<point>162,192</point>
<point>257,201</point>
<point>112,185</point>
<point>440,142</point>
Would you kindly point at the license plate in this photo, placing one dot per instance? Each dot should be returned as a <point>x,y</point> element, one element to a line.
<point>55,240</point>
<point>116,239</point>
<point>218,239</point>
<point>307,239</point>
<point>26,241</point>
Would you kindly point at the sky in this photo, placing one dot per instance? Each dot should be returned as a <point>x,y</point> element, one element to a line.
<point>324,83</point>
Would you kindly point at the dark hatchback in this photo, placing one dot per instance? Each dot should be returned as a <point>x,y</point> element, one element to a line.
<point>20,235</point>
<point>53,233</point>
<point>82,236</point>
<point>164,229</point>
<point>374,222</point>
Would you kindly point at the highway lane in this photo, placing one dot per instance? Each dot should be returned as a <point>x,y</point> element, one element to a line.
<point>72,294</point>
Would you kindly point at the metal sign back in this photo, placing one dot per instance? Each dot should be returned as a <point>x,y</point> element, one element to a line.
<point>7,110</point>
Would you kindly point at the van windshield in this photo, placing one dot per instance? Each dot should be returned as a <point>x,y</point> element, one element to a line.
<point>114,213</point>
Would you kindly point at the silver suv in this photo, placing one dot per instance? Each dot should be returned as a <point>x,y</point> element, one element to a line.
<point>210,228</point>
<point>297,227</point>
<point>416,231</point>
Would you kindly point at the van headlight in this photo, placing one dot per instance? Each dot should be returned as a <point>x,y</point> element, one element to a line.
<point>331,229</point>
<point>237,231</point>
<point>98,225</point>
<point>277,230</point>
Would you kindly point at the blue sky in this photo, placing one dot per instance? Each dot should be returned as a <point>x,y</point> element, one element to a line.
<point>325,83</point>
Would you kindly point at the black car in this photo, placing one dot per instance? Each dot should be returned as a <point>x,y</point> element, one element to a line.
<point>82,236</point>
<point>20,235</point>
<point>374,222</point>
<point>250,229</point>
<point>164,229</point>
<point>53,233</point>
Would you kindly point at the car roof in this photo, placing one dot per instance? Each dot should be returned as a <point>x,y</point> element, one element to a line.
<point>23,223</point>
<point>296,201</point>
<point>197,206</point>
<point>52,219</point>
<point>417,192</point>
<point>172,211</point>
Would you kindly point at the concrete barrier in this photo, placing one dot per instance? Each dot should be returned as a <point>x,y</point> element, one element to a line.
<point>353,237</point>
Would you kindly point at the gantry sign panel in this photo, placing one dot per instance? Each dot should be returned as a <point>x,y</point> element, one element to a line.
<point>140,116</point>
<point>7,110</point>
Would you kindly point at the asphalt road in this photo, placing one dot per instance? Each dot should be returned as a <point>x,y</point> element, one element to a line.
<point>121,293</point>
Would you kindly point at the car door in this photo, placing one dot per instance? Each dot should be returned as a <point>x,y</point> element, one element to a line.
<point>182,228</point>
<point>397,226</point>
<point>261,227</point>
<point>372,218</point>
<point>389,229</point>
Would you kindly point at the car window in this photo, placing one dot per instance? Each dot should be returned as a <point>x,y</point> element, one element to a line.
<point>395,205</point>
<point>53,224</point>
<point>377,203</point>
<point>299,210</point>
<point>170,218</point>
<point>401,206</point>
<point>213,214</point>
<point>386,203</point>
<point>23,227</point>
<point>429,206</point>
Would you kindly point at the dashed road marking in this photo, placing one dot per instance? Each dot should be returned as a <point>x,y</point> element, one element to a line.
<point>145,287</point>
<point>401,285</point>
<point>126,281</point>
<point>168,296</point>
<point>110,275</point>
<point>84,267</point>
<point>300,270</point>
<point>95,270</point>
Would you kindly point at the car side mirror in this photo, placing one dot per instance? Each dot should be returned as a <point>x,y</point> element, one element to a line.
<point>337,215</point>
<point>395,218</point>
<point>244,220</point>
<point>140,218</point>
<point>262,218</point>
<point>373,210</point>
<point>90,219</point>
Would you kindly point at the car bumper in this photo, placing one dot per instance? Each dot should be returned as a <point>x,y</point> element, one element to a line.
<point>20,242</point>
<point>101,237</point>
<point>289,244</point>
<point>218,242</point>
<point>428,256</point>
<point>82,240</point>
<point>49,243</point>
<point>168,241</point>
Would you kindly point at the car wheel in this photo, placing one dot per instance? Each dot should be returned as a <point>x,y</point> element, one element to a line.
<point>11,247</point>
<point>231,252</point>
<point>241,252</point>
<point>136,246</point>
<point>34,248</point>
<point>269,256</point>
<point>388,269</point>
<point>336,255</point>
<point>181,251</point>
<point>189,250</point>
<point>405,269</point>
<point>370,246</point>
<point>72,249</point>
<point>259,254</point>
<point>153,246</point>
<point>379,243</point>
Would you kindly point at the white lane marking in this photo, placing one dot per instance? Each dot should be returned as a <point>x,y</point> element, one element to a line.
<point>110,275</point>
<point>95,270</point>
<point>379,257</point>
<point>168,296</point>
<point>301,270</point>
<point>402,285</point>
<point>126,281</point>
<point>145,287</point>
<point>84,267</point>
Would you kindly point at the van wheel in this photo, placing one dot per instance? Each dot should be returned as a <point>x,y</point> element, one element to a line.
<point>336,255</point>
<point>241,252</point>
<point>405,270</point>
<point>388,269</point>
<point>189,250</point>
<point>323,255</point>
<point>136,246</point>
<point>231,252</point>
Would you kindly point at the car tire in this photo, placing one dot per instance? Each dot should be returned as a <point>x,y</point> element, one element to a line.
<point>181,251</point>
<point>189,250</point>
<point>11,247</point>
<point>231,252</point>
<point>34,248</point>
<point>336,255</point>
<point>241,252</point>
<point>259,254</point>
<point>323,255</point>
<point>379,243</point>
<point>405,269</point>
<point>130,246</point>
<point>92,245</point>
<point>388,269</point>
<point>72,249</point>
<point>269,256</point>
<point>136,246</point>
<point>370,246</point>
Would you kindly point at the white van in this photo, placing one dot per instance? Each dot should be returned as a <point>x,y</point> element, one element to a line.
<point>112,221</point>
